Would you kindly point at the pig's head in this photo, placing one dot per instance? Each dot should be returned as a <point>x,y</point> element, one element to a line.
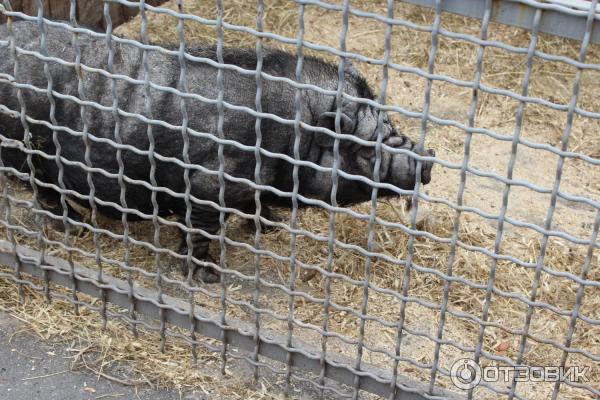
<point>398,169</point>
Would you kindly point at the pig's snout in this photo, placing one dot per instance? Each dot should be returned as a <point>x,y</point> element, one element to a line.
<point>404,167</point>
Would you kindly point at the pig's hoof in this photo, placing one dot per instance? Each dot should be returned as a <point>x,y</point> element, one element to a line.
<point>208,275</point>
<point>205,273</point>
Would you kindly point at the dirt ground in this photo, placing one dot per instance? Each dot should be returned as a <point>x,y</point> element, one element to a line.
<point>31,367</point>
<point>551,81</point>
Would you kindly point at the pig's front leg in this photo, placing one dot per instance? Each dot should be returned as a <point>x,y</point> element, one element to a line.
<point>207,219</point>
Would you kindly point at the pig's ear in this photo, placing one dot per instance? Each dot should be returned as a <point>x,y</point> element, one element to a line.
<point>327,120</point>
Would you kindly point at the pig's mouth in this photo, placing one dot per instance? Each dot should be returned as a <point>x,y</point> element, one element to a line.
<point>403,167</point>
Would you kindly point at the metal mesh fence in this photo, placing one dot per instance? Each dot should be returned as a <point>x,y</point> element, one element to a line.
<point>126,142</point>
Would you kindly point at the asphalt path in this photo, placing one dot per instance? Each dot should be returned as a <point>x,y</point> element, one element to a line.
<point>31,369</point>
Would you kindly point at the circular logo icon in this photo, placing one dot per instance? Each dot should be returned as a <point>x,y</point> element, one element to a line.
<point>465,374</point>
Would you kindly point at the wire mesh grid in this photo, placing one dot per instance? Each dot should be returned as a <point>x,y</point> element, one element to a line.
<point>253,302</point>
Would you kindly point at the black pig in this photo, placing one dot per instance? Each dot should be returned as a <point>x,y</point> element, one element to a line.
<point>164,70</point>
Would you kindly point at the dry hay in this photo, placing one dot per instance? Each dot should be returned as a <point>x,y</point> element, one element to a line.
<point>112,352</point>
<point>549,80</point>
